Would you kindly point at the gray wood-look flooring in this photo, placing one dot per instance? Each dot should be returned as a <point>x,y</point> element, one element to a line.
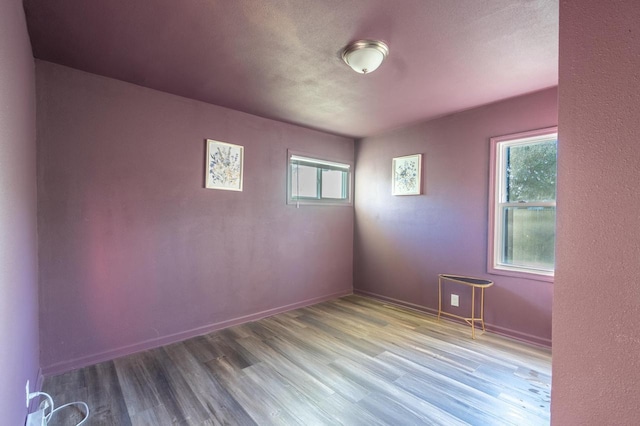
<point>350,361</point>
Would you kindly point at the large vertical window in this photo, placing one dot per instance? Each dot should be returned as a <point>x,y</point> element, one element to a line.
<point>523,204</point>
<point>317,181</point>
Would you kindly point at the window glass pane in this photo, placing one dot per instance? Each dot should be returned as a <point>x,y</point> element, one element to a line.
<point>318,181</point>
<point>531,172</point>
<point>332,184</point>
<point>529,234</point>
<point>304,181</point>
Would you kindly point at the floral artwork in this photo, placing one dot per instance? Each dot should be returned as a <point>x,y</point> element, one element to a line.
<point>224,166</point>
<point>407,175</point>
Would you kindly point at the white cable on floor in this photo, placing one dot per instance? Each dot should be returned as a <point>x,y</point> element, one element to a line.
<point>70,404</point>
<point>47,418</point>
<point>34,394</point>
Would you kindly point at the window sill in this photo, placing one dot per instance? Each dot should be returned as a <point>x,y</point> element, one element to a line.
<point>518,273</point>
<point>319,203</point>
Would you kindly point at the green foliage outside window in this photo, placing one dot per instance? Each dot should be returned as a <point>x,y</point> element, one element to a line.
<point>531,172</point>
<point>529,227</point>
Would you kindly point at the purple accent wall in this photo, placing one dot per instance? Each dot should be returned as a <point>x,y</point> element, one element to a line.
<point>402,243</point>
<point>596,321</point>
<point>19,351</point>
<point>135,253</point>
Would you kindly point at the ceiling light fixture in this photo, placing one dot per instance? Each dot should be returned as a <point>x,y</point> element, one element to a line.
<point>365,56</point>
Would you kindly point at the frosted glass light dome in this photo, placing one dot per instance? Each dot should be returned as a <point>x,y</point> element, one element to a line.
<point>365,56</point>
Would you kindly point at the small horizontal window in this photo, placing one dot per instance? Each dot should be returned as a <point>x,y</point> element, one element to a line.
<point>317,181</point>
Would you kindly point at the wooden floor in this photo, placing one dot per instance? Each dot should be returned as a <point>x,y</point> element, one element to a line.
<point>350,361</point>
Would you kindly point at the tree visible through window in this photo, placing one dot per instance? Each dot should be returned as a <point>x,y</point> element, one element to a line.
<point>523,210</point>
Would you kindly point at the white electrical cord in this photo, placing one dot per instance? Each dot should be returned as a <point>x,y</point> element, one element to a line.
<point>34,394</point>
<point>47,418</point>
<point>86,407</point>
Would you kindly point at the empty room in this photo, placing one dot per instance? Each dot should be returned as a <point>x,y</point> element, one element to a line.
<point>325,212</point>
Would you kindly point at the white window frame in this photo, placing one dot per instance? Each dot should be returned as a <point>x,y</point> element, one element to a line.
<point>319,161</point>
<point>497,200</point>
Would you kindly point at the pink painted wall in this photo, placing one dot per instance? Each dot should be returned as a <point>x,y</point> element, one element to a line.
<point>19,351</point>
<point>402,243</point>
<point>134,252</point>
<point>596,313</point>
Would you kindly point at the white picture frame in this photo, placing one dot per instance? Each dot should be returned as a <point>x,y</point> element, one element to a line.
<point>407,175</point>
<point>224,166</point>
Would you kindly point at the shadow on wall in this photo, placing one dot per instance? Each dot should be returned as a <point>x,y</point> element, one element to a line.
<point>386,264</point>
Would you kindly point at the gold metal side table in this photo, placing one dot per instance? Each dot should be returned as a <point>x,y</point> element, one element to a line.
<point>474,283</point>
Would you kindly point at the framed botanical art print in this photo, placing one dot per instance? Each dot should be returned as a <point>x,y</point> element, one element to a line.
<point>407,175</point>
<point>224,164</point>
